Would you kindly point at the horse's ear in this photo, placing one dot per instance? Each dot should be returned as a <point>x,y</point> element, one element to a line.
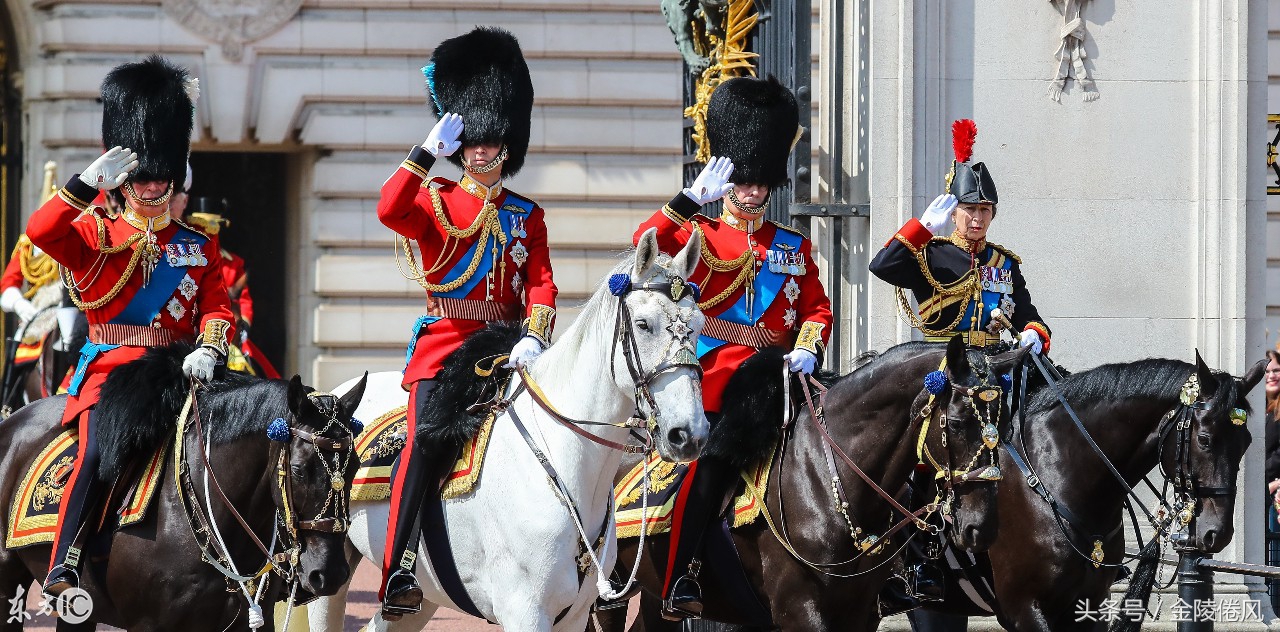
<point>646,253</point>
<point>1007,362</point>
<point>1252,377</point>
<point>687,259</point>
<point>297,395</point>
<point>351,400</point>
<point>957,357</point>
<point>1208,383</point>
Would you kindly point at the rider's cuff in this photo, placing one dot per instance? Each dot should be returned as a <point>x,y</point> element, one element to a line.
<point>913,235</point>
<point>419,162</point>
<point>77,193</point>
<point>215,335</point>
<point>539,323</point>
<point>1041,329</point>
<point>680,208</point>
<point>810,337</point>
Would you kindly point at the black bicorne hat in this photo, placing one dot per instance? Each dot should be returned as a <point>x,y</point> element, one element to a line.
<point>972,184</point>
<point>483,77</point>
<point>754,122</point>
<point>145,108</point>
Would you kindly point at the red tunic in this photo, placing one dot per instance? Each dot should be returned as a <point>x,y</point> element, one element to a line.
<point>809,313</point>
<point>12,273</point>
<point>521,274</point>
<point>67,227</point>
<point>232,273</point>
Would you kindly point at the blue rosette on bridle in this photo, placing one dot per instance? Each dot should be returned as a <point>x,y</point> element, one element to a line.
<point>935,382</point>
<point>279,430</point>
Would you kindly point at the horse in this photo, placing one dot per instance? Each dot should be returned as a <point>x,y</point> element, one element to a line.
<point>819,558</point>
<point>1061,542</point>
<point>519,547</point>
<point>286,482</point>
<point>42,376</point>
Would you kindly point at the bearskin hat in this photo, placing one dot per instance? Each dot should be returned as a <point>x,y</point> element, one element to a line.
<point>754,123</point>
<point>483,77</point>
<point>970,183</point>
<point>145,108</point>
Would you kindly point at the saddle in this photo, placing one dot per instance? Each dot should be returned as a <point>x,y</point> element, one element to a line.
<point>33,516</point>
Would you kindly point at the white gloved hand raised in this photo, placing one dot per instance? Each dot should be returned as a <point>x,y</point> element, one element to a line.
<point>199,364</point>
<point>936,216</point>
<point>525,351</point>
<point>801,361</point>
<point>713,183</point>
<point>1031,338</point>
<point>111,169</point>
<point>443,139</point>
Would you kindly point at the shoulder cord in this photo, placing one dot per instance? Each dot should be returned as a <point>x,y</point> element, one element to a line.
<point>966,284</point>
<point>486,225</point>
<point>36,271</point>
<point>744,264</point>
<point>74,288</point>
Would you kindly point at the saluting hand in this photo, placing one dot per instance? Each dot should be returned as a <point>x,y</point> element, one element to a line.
<point>713,183</point>
<point>443,139</point>
<point>936,216</point>
<point>111,169</point>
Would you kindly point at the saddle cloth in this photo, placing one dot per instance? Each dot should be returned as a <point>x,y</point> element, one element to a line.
<point>381,442</point>
<point>665,479</point>
<point>33,517</point>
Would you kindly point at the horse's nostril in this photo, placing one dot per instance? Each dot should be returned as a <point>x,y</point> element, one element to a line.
<point>678,437</point>
<point>316,579</point>
<point>1208,538</point>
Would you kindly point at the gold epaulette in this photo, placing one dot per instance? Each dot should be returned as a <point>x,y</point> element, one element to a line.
<point>1006,252</point>
<point>191,228</point>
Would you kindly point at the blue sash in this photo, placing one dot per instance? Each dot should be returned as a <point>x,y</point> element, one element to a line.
<point>768,286</point>
<point>509,208</point>
<point>143,307</point>
<point>993,291</point>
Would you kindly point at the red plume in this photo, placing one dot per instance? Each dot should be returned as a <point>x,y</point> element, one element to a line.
<point>963,134</point>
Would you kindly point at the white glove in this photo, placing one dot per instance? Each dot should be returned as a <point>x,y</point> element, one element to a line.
<point>1031,338</point>
<point>443,139</point>
<point>111,169</point>
<point>199,364</point>
<point>936,216</point>
<point>525,351</point>
<point>25,310</point>
<point>713,183</point>
<point>801,361</point>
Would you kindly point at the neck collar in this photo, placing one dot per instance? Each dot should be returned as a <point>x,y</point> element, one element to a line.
<point>479,190</point>
<point>143,223</point>
<point>973,247</point>
<point>746,226</point>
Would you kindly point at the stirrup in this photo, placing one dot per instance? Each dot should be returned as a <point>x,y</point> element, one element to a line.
<point>60,579</point>
<point>685,600</point>
<point>403,599</point>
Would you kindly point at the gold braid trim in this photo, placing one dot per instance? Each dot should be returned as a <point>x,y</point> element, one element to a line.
<point>37,271</point>
<point>70,282</point>
<point>745,265</point>
<point>966,286</point>
<point>486,224</point>
<point>215,335</point>
<point>538,324</point>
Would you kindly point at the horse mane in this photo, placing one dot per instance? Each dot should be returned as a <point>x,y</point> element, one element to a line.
<point>870,367</point>
<point>1154,379</point>
<point>141,400</point>
<point>445,420</point>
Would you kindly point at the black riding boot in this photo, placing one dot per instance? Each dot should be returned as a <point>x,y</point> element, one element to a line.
<point>422,466</point>
<point>712,481</point>
<point>926,578</point>
<point>82,494</point>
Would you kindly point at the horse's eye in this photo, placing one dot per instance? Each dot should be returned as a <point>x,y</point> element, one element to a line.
<point>642,324</point>
<point>1204,440</point>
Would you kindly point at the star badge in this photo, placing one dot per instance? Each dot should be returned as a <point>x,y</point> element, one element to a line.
<point>791,290</point>
<point>176,309</point>
<point>517,284</point>
<point>789,318</point>
<point>188,287</point>
<point>519,254</point>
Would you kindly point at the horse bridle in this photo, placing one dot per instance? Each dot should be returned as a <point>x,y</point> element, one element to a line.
<point>990,395</point>
<point>679,354</point>
<point>342,451</point>
<point>1187,489</point>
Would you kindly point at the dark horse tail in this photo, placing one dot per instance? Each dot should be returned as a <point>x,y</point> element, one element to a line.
<point>139,407</point>
<point>1140,584</point>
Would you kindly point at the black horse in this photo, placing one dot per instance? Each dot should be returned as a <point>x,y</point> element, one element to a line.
<point>876,415</point>
<point>1185,418</point>
<point>290,489</point>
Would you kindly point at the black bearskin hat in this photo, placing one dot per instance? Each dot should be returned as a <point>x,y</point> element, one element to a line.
<point>754,123</point>
<point>972,184</point>
<point>483,77</point>
<point>145,108</point>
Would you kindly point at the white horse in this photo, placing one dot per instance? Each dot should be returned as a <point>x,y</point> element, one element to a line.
<point>516,545</point>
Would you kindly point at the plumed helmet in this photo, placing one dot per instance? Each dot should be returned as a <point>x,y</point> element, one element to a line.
<point>755,123</point>
<point>483,77</point>
<point>970,183</point>
<point>145,108</point>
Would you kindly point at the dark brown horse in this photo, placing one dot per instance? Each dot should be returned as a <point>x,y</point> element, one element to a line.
<point>39,378</point>
<point>291,490</point>
<point>875,416</point>
<point>1139,416</point>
